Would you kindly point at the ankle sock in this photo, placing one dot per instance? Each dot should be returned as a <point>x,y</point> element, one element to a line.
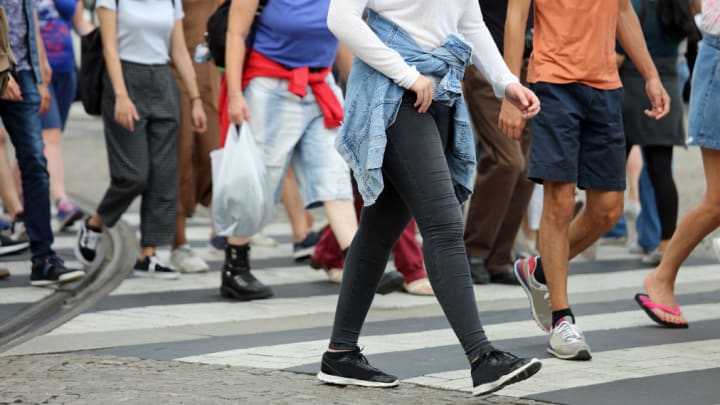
<point>539,274</point>
<point>558,315</point>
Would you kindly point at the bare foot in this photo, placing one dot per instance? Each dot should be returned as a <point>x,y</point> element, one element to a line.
<point>661,292</point>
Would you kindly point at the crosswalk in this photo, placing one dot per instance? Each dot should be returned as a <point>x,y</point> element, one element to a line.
<point>187,320</point>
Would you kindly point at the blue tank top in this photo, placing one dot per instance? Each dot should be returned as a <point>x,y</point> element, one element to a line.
<point>55,17</point>
<point>295,33</point>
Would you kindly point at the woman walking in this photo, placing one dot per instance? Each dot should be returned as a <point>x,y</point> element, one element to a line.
<point>409,144</point>
<point>140,112</point>
<point>288,96</point>
<point>704,131</point>
<point>657,138</point>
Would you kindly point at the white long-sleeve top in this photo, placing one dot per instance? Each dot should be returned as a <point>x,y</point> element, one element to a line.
<point>428,22</point>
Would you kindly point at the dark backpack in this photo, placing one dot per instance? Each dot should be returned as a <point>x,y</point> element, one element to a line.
<point>216,34</point>
<point>676,19</point>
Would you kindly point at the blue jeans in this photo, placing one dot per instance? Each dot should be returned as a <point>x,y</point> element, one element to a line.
<point>22,121</point>
<point>648,223</point>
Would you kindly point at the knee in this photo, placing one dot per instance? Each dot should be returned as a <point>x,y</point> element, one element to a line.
<point>713,211</point>
<point>131,185</point>
<point>605,217</point>
<point>559,205</point>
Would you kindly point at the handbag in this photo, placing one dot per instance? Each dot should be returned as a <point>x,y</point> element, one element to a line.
<point>92,68</point>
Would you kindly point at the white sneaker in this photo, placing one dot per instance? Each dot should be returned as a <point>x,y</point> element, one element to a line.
<point>260,239</point>
<point>716,247</point>
<point>653,258</point>
<point>567,341</point>
<point>185,260</point>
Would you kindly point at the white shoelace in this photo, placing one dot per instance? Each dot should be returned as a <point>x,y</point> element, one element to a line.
<point>569,332</point>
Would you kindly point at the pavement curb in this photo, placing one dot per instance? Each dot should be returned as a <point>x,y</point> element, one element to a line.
<point>73,298</point>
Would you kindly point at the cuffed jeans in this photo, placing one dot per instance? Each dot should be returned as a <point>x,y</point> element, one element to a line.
<point>22,121</point>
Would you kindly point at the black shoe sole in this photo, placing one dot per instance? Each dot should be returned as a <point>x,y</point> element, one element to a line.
<point>229,293</point>
<point>523,373</point>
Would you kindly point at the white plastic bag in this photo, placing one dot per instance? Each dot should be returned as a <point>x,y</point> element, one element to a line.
<point>243,201</point>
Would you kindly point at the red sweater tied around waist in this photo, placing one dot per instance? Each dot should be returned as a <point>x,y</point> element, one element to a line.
<point>298,79</point>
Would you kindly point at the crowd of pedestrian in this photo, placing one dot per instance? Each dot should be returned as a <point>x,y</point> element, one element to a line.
<point>464,121</point>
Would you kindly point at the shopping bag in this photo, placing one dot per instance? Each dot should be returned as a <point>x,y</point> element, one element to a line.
<point>243,202</point>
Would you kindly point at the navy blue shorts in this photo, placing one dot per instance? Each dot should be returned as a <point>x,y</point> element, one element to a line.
<point>62,91</point>
<point>578,137</point>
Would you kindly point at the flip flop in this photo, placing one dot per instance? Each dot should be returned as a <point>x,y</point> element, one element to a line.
<point>644,301</point>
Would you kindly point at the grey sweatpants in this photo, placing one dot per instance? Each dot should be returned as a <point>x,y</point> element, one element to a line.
<point>143,162</point>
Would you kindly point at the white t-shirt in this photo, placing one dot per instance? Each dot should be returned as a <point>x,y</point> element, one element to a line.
<point>711,17</point>
<point>428,22</point>
<point>144,28</point>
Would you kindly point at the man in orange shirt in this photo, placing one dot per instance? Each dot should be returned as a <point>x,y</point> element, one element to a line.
<point>576,140</point>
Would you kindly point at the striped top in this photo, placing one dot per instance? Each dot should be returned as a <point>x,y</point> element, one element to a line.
<point>711,17</point>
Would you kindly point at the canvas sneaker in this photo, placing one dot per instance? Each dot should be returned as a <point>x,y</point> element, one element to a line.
<point>537,292</point>
<point>262,240</point>
<point>185,260</point>
<point>67,213</point>
<point>497,369</point>
<point>88,244</point>
<point>567,341</point>
<point>353,368</point>
<point>304,249</point>
<point>8,245</point>
<point>152,267</point>
<point>52,270</point>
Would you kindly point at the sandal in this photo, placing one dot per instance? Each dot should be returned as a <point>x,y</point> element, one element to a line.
<point>644,301</point>
<point>419,287</point>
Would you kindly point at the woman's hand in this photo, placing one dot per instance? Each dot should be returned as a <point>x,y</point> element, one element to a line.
<point>238,109</point>
<point>199,118</point>
<point>125,112</point>
<point>423,88</point>
<point>523,99</point>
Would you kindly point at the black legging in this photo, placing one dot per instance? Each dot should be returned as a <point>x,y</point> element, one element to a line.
<point>658,159</point>
<point>417,183</point>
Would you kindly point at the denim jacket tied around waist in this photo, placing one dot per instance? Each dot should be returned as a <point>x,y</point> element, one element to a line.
<point>373,101</point>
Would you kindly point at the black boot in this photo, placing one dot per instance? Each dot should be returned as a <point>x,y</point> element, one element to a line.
<point>237,281</point>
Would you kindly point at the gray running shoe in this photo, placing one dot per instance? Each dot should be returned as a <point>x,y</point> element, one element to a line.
<point>653,258</point>
<point>567,341</point>
<point>537,292</point>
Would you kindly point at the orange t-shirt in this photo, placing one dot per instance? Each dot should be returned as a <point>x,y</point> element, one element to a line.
<point>575,43</point>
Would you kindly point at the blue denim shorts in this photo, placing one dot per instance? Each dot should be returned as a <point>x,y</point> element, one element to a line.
<point>62,92</point>
<point>291,132</point>
<point>578,137</point>
<point>704,117</point>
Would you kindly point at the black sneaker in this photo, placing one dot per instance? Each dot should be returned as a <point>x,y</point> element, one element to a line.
<point>497,369</point>
<point>391,281</point>
<point>9,245</point>
<point>237,281</point>
<point>88,244</point>
<point>478,271</point>
<point>352,368</point>
<point>304,249</point>
<point>52,270</point>
<point>152,267</point>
